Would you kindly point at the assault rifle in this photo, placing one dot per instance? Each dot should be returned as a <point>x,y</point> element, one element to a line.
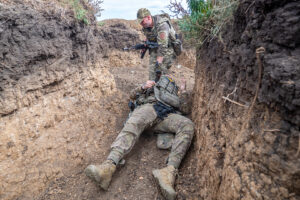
<point>144,47</point>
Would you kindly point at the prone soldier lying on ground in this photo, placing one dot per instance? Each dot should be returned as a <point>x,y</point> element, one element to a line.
<point>158,109</point>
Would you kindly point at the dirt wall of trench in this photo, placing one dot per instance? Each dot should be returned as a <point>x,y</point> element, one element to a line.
<point>244,151</point>
<point>56,93</point>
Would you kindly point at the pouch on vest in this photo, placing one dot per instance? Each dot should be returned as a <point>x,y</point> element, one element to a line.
<point>166,91</point>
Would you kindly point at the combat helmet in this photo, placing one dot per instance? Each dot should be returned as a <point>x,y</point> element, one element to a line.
<point>142,12</point>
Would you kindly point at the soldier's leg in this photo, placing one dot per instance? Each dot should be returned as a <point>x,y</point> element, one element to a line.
<point>141,118</point>
<point>184,131</point>
<point>152,65</point>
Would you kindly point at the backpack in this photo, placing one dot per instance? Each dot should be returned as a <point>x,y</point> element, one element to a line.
<point>175,41</point>
<point>166,92</point>
<point>177,45</point>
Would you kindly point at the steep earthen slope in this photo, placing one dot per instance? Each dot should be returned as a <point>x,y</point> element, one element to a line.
<point>63,99</point>
<point>249,147</point>
<point>54,86</point>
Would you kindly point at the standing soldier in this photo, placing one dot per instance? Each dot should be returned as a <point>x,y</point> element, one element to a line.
<point>158,29</point>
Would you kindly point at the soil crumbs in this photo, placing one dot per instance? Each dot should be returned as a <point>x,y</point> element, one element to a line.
<point>134,179</point>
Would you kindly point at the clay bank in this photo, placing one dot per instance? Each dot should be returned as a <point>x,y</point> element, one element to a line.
<point>64,86</point>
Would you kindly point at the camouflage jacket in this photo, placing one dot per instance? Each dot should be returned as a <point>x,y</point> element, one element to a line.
<point>161,32</point>
<point>141,97</point>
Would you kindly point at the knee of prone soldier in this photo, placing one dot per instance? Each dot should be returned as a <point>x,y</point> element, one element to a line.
<point>133,123</point>
<point>189,127</point>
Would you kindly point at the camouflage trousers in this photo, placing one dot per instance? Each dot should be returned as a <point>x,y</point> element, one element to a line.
<point>144,117</point>
<point>164,67</point>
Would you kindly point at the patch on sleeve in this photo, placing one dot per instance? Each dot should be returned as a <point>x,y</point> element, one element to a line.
<point>162,35</point>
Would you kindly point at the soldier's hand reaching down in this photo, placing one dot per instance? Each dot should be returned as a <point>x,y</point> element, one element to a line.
<point>148,84</point>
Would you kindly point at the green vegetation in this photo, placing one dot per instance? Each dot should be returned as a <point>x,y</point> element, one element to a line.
<point>101,23</point>
<point>81,13</point>
<point>85,8</point>
<point>206,18</point>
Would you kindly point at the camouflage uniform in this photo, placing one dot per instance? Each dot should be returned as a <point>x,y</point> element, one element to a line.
<point>144,117</point>
<point>160,33</point>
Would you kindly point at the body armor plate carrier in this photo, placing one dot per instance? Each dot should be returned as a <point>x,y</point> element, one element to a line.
<point>166,91</point>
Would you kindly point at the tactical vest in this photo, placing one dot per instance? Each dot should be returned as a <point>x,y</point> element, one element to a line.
<point>166,92</point>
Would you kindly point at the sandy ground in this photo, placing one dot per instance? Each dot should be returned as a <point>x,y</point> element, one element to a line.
<point>134,179</point>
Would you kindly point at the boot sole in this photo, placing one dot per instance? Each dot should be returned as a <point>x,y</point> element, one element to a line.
<point>169,195</point>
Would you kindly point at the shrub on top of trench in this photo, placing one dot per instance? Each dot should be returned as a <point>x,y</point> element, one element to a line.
<point>206,19</point>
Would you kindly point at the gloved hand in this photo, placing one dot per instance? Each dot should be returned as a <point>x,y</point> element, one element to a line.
<point>157,65</point>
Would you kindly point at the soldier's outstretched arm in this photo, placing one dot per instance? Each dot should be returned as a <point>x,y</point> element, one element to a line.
<point>163,41</point>
<point>140,89</point>
<point>133,93</point>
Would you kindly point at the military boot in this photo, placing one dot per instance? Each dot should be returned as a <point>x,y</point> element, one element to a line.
<point>101,174</point>
<point>165,178</point>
